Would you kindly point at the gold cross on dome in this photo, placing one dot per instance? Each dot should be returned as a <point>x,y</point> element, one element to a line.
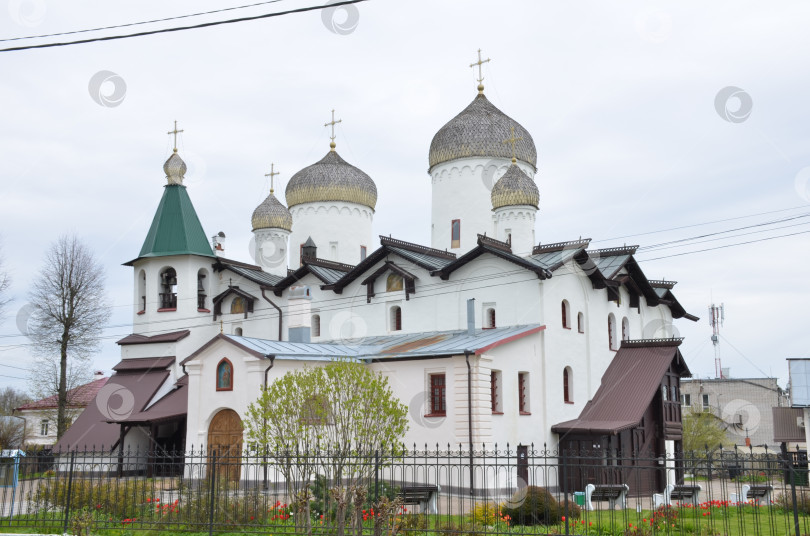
<point>332,123</point>
<point>479,63</point>
<point>512,140</point>
<point>271,175</point>
<point>175,132</point>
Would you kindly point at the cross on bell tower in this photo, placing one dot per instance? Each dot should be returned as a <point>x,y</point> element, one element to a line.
<point>332,123</point>
<point>271,175</point>
<point>479,63</point>
<point>175,132</point>
<point>512,140</point>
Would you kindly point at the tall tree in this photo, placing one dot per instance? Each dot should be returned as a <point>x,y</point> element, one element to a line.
<point>69,313</point>
<point>12,429</point>
<point>702,430</point>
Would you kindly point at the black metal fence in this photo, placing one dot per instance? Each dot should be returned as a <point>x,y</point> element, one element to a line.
<point>430,491</point>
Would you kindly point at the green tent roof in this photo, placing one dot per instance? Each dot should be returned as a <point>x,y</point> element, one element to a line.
<point>176,229</point>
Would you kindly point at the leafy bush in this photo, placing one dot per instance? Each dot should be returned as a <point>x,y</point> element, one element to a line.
<point>122,497</point>
<point>485,513</point>
<point>536,506</point>
<point>784,501</point>
<point>323,503</point>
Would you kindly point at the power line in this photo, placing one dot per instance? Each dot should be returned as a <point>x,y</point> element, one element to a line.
<point>140,23</point>
<point>183,28</point>
<point>724,246</point>
<point>12,366</point>
<point>692,241</point>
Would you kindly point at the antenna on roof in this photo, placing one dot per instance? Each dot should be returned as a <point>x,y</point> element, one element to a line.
<point>717,315</point>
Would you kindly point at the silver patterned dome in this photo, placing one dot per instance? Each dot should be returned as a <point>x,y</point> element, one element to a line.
<point>480,130</point>
<point>271,214</point>
<point>515,188</point>
<point>174,168</point>
<point>331,179</point>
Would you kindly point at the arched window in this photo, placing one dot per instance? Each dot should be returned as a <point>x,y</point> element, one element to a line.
<point>168,290</point>
<point>202,291</point>
<point>238,305</point>
<point>625,329</point>
<point>316,325</point>
<point>225,375</point>
<point>565,318</point>
<point>580,322</point>
<point>489,318</point>
<point>611,331</point>
<point>141,297</point>
<point>237,332</point>
<point>568,391</point>
<point>396,318</point>
<point>394,283</point>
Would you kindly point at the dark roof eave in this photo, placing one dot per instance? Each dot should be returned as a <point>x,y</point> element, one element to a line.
<point>171,254</point>
<point>482,248</point>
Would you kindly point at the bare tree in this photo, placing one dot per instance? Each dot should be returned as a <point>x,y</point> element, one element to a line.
<point>5,282</point>
<point>69,313</point>
<point>12,429</point>
<point>11,399</point>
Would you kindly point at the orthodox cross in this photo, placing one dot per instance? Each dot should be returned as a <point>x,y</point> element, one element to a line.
<point>479,63</point>
<point>332,123</point>
<point>512,140</point>
<point>175,132</point>
<point>271,174</point>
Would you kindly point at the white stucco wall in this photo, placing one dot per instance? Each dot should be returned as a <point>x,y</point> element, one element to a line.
<point>338,229</point>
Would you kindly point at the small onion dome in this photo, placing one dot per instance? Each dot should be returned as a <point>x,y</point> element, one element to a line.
<point>331,179</point>
<point>480,130</point>
<point>515,188</point>
<point>271,214</point>
<point>174,168</point>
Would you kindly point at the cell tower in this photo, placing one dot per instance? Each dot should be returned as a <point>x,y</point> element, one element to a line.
<point>716,317</point>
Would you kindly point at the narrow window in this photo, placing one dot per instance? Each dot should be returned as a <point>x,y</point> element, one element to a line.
<point>201,292</point>
<point>142,292</point>
<point>396,318</point>
<point>237,332</point>
<point>168,290</point>
<point>495,391</point>
<point>43,427</point>
<point>686,400</point>
<point>625,329</point>
<point>455,234</point>
<point>664,393</point>
<point>580,323</point>
<point>489,318</point>
<point>565,323</point>
<point>523,393</point>
<point>438,392</point>
<point>225,375</point>
<point>705,402</point>
<point>362,253</point>
<point>611,332</point>
<point>316,325</point>
<point>567,391</point>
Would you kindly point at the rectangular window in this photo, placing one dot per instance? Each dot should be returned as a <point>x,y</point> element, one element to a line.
<point>455,234</point>
<point>362,253</point>
<point>495,391</point>
<point>523,393</point>
<point>705,401</point>
<point>686,401</point>
<point>438,393</point>
<point>43,427</point>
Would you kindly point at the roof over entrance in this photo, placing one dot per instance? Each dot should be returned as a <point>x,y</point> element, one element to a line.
<point>628,386</point>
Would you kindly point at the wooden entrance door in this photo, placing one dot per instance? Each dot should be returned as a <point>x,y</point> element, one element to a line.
<point>225,443</point>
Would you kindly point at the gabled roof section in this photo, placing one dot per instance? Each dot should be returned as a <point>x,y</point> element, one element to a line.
<point>176,229</point>
<point>553,256</point>
<point>329,272</point>
<point>638,368</point>
<point>499,249</point>
<point>78,397</point>
<point>171,406</point>
<point>663,289</point>
<point>251,272</point>
<point>232,290</point>
<point>408,278</point>
<point>137,338</point>
<point>144,363</point>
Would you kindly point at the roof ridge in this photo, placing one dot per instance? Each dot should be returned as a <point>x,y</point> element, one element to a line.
<point>559,246</point>
<point>484,240</point>
<point>622,250</point>
<point>417,248</point>
<point>641,343</point>
<point>323,263</point>
<point>226,261</point>
<point>661,283</point>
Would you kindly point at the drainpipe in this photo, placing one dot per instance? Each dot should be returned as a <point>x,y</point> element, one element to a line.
<point>272,359</point>
<point>469,418</point>
<point>279,323</point>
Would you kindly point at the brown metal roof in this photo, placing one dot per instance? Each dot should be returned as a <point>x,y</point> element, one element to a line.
<point>173,405</point>
<point>628,386</point>
<point>91,431</point>
<point>137,338</point>
<point>786,425</point>
<point>144,363</point>
<point>77,397</point>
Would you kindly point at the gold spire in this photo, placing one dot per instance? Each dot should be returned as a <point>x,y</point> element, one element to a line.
<point>332,137</point>
<point>271,174</point>
<point>512,139</point>
<point>175,132</point>
<point>479,63</point>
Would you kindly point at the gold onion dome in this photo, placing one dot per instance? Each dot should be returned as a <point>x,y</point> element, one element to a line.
<point>479,131</point>
<point>174,168</point>
<point>331,179</point>
<point>271,214</point>
<point>515,188</point>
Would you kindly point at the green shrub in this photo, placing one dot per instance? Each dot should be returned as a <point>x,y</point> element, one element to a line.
<point>536,506</point>
<point>119,497</point>
<point>784,501</point>
<point>485,513</point>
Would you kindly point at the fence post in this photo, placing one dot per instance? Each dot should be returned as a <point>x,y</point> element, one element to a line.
<point>212,492</point>
<point>565,487</point>
<point>70,489</point>
<point>793,493</point>
<point>376,475</point>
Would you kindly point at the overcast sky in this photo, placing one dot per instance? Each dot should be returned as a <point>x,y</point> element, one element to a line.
<point>621,99</point>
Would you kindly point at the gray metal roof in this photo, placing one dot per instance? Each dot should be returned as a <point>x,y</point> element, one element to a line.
<point>438,343</point>
<point>480,130</point>
<point>553,260</point>
<point>262,278</point>
<point>610,266</point>
<point>327,275</point>
<point>423,259</point>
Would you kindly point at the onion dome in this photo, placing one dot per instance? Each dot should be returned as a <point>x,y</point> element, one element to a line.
<point>271,214</point>
<point>479,131</point>
<point>515,188</point>
<point>331,179</point>
<point>174,168</point>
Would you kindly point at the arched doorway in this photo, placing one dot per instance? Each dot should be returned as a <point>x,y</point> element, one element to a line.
<point>225,443</point>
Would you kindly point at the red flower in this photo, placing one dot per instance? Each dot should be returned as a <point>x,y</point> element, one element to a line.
<point>563,518</point>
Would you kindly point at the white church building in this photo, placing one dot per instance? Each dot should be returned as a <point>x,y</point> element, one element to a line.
<point>486,334</point>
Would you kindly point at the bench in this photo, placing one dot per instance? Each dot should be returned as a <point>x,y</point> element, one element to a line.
<point>613,493</point>
<point>733,470</point>
<point>425,496</point>
<point>683,492</point>
<point>757,492</point>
